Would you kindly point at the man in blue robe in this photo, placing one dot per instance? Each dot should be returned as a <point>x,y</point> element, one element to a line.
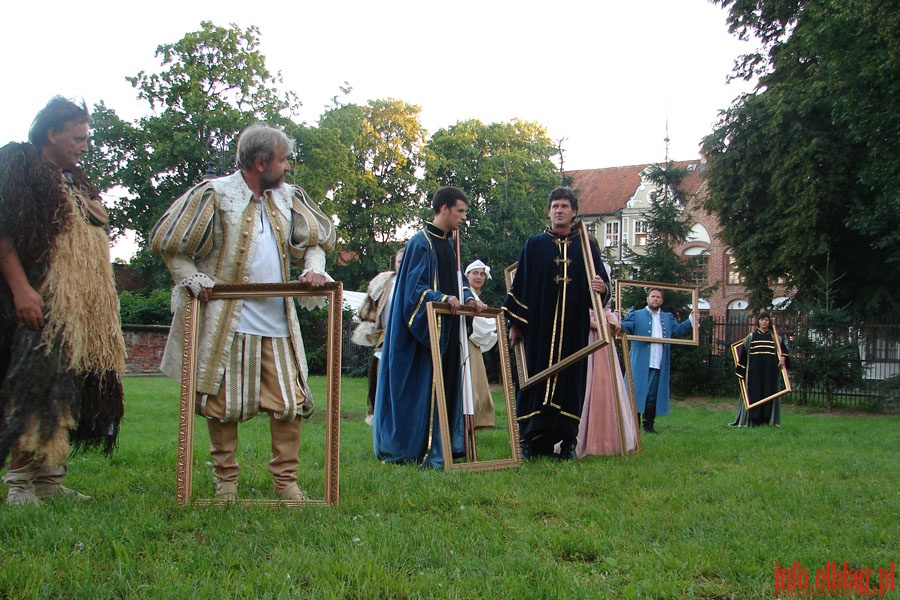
<point>548,306</point>
<point>406,416</point>
<point>650,361</point>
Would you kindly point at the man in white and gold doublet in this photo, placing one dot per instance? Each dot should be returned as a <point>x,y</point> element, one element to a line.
<point>248,227</point>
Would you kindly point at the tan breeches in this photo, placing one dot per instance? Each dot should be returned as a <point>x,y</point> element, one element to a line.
<point>285,435</point>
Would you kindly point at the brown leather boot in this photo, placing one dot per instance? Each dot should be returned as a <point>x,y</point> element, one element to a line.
<point>223,443</point>
<point>285,459</point>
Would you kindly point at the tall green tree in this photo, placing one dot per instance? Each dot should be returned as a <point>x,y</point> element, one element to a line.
<point>805,167</point>
<point>668,226</point>
<point>506,171</point>
<point>367,161</point>
<point>214,82</point>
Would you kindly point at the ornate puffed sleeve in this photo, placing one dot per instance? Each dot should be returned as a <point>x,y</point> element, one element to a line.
<point>484,333</point>
<point>312,233</point>
<point>184,233</point>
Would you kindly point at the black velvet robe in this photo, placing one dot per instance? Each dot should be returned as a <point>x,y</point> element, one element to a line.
<point>550,301</point>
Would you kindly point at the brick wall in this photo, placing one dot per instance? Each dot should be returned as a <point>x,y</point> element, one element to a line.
<point>145,345</point>
<point>127,278</point>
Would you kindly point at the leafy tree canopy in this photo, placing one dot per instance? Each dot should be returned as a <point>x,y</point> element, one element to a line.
<point>806,165</point>
<point>366,160</point>
<point>506,171</point>
<point>213,84</point>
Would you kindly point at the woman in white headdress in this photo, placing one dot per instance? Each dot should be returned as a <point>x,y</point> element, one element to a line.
<point>482,339</point>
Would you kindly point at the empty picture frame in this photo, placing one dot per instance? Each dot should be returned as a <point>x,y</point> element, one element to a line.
<point>435,310</point>
<point>333,294</point>
<point>526,379</point>
<point>694,340</point>
<point>629,381</point>
<point>785,379</point>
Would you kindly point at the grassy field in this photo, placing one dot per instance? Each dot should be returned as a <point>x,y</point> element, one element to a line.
<point>704,511</point>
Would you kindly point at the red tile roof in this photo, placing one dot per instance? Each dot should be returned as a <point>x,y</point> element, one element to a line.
<point>604,191</point>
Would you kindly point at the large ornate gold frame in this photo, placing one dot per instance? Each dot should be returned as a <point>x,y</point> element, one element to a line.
<point>434,334</point>
<point>695,299</point>
<point>333,293</point>
<point>785,379</point>
<point>526,380</point>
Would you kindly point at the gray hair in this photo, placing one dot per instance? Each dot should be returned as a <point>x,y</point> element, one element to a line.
<point>260,141</point>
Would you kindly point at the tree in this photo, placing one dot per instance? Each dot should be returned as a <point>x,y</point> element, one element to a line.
<point>805,167</point>
<point>668,226</point>
<point>214,84</point>
<point>366,160</point>
<point>827,348</point>
<point>506,171</point>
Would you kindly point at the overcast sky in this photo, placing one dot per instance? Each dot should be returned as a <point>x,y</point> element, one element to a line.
<point>604,75</point>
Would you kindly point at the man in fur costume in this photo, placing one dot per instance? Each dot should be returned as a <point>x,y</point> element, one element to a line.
<point>247,227</point>
<point>61,346</point>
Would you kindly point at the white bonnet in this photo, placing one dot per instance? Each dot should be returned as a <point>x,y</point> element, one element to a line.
<point>479,265</point>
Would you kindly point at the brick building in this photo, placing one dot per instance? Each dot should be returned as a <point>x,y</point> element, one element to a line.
<point>613,202</point>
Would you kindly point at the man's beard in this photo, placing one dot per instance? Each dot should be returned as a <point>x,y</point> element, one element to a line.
<point>270,184</point>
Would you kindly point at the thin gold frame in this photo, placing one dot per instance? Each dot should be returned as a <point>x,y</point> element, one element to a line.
<point>527,380</point>
<point>735,355</point>
<point>629,377</point>
<point>695,321</point>
<point>333,293</point>
<point>434,335</point>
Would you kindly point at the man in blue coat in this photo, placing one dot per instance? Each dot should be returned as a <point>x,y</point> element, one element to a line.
<point>650,361</point>
<point>405,422</point>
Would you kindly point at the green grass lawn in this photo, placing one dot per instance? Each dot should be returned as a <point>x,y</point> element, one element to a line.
<point>704,511</point>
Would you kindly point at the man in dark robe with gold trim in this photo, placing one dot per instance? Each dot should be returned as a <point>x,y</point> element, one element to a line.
<point>61,345</point>
<point>548,307</point>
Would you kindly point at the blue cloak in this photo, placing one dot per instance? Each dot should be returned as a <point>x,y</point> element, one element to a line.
<point>405,425</point>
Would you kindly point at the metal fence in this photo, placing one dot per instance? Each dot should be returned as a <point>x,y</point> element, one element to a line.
<point>878,354</point>
<point>709,368</point>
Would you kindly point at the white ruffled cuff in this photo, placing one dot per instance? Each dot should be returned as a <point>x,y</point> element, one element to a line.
<point>192,282</point>
<point>314,261</point>
<point>197,281</point>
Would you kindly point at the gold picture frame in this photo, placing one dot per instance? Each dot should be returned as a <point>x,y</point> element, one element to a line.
<point>621,284</point>
<point>629,381</point>
<point>785,378</point>
<point>434,310</point>
<point>333,294</point>
<point>526,379</point>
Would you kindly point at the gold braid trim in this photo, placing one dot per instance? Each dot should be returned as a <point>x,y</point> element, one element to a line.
<point>81,292</point>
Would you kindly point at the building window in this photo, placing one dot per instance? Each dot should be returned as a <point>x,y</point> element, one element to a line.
<point>592,228</point>
<point>699,269</point>
<point>734,276</point>
<point>640,233</point>
<point>612,235</point>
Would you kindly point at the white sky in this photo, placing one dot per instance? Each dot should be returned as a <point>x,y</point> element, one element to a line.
<point>604,75</point>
